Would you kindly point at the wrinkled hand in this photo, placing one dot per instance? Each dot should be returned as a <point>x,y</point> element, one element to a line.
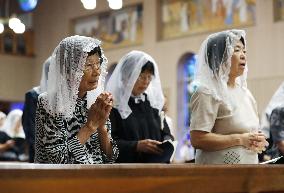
<point>255,142</point>
<point>149,146</point>
<point>99,111</point>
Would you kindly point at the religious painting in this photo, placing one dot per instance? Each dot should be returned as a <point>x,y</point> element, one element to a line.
<point>114,28</point>
<point>278,6</point>
<point>185,17</point>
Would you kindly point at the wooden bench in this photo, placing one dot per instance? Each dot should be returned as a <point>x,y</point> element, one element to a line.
<point>140,178</point>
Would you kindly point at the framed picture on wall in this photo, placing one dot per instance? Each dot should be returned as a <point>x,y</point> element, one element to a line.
<point>278,9</point>
<point>114,28</point>
<point>177,18</point>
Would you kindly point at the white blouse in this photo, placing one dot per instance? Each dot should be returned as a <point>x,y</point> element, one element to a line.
<point>214,116</point>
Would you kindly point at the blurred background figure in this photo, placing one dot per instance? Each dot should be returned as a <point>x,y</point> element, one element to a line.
<point>272,125</point>
<point>13,126</point>
<point>14,137</point>
<point>5,142</point>
<point>30,107</point>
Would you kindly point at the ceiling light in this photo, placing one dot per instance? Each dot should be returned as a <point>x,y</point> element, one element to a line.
<point>19,28</point>
<point>89,4</point>
<point>13,22</point>
<point>1,28</point>
<point>115,4</point>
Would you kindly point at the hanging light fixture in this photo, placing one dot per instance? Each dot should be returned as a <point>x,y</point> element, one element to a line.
<point>89,4</point>
<point>13,22</point>
<point>115,4</point>
<point>19,28</point>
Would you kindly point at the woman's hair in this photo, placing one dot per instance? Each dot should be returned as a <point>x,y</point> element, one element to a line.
<point>149,66</point>
<point>243,41</point>
<point>96,50</point>
<point>216,51</point>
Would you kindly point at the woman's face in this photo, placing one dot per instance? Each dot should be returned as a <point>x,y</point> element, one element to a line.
<point>142,82</point>
<point>238,60</point>
<point>91,73</point>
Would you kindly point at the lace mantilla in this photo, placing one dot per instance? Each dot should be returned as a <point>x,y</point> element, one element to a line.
<point>214,63</point>
<point>65,74</point>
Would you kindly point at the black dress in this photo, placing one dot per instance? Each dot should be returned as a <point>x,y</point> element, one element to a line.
<point>28,121</point>
<point>143,123</point>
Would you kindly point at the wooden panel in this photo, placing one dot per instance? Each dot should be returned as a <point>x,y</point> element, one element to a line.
<point>140,178</point>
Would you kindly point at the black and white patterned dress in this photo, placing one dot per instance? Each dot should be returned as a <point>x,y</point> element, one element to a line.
<point>56,140</point>
<point>276,130</point>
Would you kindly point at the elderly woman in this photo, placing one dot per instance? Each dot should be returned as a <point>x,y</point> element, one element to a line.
<point>14,137</point>
<point>72,115</point>
<point>138,100</point>
<point>224,120</point>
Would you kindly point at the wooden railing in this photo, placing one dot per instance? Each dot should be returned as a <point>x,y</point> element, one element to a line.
<point>140,178</point>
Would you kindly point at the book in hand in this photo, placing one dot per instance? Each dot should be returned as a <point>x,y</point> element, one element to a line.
<point>278,160</point>
<point>169,148</point>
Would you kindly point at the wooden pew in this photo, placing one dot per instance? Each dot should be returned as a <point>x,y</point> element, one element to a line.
<point>140,178</point>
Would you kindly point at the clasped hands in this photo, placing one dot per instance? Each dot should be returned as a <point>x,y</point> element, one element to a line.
<point>100,111</point>
<point>255,142</point>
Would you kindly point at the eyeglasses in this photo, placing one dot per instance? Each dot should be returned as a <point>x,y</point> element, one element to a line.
<point>90,66</point>
<point>145,77</point>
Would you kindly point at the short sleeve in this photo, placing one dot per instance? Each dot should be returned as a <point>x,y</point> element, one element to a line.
<point>204,110</point>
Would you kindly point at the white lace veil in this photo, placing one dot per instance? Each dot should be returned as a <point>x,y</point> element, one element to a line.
<point>277,100</point>
<point>124,77</point>
<point>214,63</point>
<point>65,73</point>
<point>44,74</point>
<point>11,121</point>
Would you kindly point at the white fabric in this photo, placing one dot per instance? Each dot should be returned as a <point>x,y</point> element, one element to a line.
<point>124,77</point>
<point>277,100</point>
<point>44,74</point>
<point>215,83</point>
<point>2,119</point>
<point>186,152</point>
<point>2,115</point>
<point>14,118</point>
<point>65,74</point>
<point>213,116</point>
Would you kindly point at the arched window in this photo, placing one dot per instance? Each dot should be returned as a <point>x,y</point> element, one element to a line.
<point>186,69</point>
